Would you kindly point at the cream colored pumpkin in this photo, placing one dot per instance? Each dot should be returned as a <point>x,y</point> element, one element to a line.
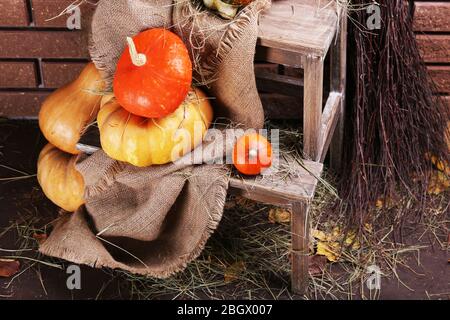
<point>144,142</point>
<point>59,179</point>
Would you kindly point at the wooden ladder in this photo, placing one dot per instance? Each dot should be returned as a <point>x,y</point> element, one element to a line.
<point>300,34</point>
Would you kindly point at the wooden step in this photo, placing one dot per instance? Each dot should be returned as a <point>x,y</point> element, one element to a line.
<point>281,188</point>
<point>292,180</point>
<point>299,26</point>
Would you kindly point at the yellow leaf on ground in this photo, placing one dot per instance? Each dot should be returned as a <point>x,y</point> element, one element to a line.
<point>319,235</point>
<point>329,244</point>
<point>368,227</point>
<point>329,250</point>
<point>438,183</point>
<point>279,215</point>
<point>234,271</point>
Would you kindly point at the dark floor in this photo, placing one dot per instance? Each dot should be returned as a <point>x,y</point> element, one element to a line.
<point>20,144</point>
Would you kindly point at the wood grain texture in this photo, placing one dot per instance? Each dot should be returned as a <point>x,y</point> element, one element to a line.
<point>330,117</point>
<point>300,233</point>
<point>312,107</point>
<point>441,77</point>
<point>434,48</point>
<point>277,83</point>
<point>295,188</point>
<point>432,16</point>
<point>305,27</point>
<point>279,56</point>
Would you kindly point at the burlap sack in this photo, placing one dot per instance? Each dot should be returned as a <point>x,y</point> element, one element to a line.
<point>155,220</point>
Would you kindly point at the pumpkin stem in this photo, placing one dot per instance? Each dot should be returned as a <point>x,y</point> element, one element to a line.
<point>138,59</point>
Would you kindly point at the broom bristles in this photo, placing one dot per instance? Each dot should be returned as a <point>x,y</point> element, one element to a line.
<point>394,117</point>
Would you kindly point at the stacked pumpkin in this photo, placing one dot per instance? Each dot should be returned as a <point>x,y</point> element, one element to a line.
<point>153,116</point>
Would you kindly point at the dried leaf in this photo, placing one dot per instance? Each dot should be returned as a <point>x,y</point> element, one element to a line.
<point>40,237</point>
<point>234,271</point>
<point>319,235</point>
<point>439,182</point>
<point>383,202</point>
<point>9,267</point>
<point>329,250</point>
<point>329,244</point>
<point>440,164</point>
<point>279,215</point>
<point>317,264</point>
<point>368,227</point>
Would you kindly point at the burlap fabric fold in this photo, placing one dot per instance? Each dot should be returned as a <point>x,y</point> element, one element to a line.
<point>155,220</point>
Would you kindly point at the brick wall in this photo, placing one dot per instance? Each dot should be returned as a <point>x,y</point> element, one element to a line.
<point>38,55</point>
<point>432,25</point>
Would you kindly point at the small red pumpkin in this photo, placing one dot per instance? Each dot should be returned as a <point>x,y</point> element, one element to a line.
<point>252,154</point>
<point>154,74</point>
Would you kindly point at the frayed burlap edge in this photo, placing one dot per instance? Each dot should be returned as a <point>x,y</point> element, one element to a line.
<point>207,69</point>
<point>215,216</point>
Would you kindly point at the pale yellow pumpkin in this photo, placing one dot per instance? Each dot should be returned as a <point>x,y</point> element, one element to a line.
<point>143,142</point>
<point>65,114</point>
<point>59,179</point>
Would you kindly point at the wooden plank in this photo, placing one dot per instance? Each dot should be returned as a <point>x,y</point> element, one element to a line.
<point>432,16</point>
<point>338,82</point>
<point>18,74</point>
<point>266,67</point>
<point>298,186</point>
<point>281,84</point>
<point>441,77</point>
<point>330,117</point>
<point>300,233</point>
<point>305,27</point>
<point>312,110</point>
<point>279,56</point>
<point>44,44</point>
<point>434,48</point>
<point>13,13</point>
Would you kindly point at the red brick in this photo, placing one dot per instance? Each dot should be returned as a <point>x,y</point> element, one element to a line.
<point>43,10</point>
<point>43,44</point>
<point>57,74</point>
<point>21,104</point>
<point>13,13</point>
<point>18,75</point>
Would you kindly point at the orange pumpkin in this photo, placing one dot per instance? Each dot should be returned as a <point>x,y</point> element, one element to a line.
<point>65,113</point>
<point>143,142</point>
<point>59,179</point>
<point>252,154</point>
<point>154,74</point>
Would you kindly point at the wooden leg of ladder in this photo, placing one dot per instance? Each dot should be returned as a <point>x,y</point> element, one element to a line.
<point>312,107</point>
<point>300,247</point>
<point>338,59</point>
